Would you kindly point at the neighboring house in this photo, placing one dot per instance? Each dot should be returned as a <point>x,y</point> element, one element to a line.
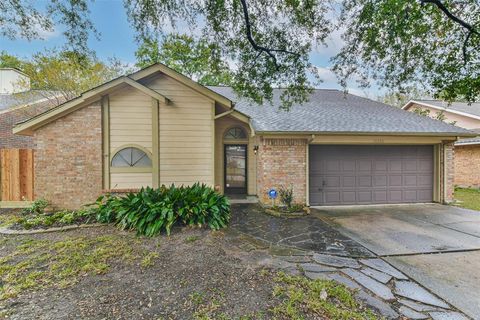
<point>18,103</point>
<point>157,127</point>
<point>467,151</point>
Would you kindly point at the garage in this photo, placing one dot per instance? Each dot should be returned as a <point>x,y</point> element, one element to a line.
<point>370,174</point>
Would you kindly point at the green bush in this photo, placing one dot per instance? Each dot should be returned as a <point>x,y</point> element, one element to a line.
<point>37,207</point>
<point>286,196</point>
<point>151,211</point>
<point>59,218</point>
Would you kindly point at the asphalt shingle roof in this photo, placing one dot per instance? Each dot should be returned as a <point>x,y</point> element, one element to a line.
<point>335,111</point>
<point>8,101</point>
<point>473,109</point>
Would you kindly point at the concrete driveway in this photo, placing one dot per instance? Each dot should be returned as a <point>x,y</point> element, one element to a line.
<point>436,245</point>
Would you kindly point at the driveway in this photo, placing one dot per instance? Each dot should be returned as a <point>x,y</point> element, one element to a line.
<point>436,245</point>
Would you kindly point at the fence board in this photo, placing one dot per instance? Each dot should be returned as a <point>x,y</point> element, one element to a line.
<point>16,174</point>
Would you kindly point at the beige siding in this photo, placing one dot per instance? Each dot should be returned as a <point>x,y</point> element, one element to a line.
<point>186,133</point>
<point>460,120</point>
<point>130,180</point>
<point>221,126</point>
<point>130,119</point>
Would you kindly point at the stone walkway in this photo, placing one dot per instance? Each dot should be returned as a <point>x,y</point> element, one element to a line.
<point>310,247</point>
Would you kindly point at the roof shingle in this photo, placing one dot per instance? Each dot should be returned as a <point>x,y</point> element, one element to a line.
<point>334,111</point>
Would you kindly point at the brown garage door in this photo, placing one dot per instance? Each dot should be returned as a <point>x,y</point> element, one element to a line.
<point>370,174</point>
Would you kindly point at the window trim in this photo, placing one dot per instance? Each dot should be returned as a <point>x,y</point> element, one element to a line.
<point>131,169</point>
<point>230,140</point>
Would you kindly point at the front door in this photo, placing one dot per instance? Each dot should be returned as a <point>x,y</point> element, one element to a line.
<point>236,169</point>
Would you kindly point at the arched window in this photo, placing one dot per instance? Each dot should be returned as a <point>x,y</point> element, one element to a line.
<point>235,133</point>
<point>131,157</point>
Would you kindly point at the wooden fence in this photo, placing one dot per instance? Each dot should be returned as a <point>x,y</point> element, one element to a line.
<point>16,174</point>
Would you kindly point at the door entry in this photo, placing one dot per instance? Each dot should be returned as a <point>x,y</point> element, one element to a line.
<point>235,169</point>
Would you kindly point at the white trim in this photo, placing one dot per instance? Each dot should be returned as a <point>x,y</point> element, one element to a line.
<point>466,143</point>
<point>468,115</point>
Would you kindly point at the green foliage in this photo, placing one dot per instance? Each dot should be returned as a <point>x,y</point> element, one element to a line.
<point>37,207</point>
<point>196,59</point>
<point>288,30</point>
<point>286,195</point>
<point>63,75</point>
<point>404,43</point>
<point>30,20</point>
<point>151,211</point>
<point>59,218</point>
<point>301,297</point>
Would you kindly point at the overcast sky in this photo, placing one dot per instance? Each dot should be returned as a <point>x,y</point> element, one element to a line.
<point>117,40</point>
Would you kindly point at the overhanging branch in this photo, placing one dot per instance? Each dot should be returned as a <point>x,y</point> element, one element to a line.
<point>261,49</point>
<point>470,28</point>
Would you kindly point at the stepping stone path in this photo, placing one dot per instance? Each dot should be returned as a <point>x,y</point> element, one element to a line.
<point>377,275</point>
<point>335,261</point>
<point>447,316</point>
<point>412,314</point>
<point>377,284</point>
<point>379,289</point>
<point>413,291</point>
<point>384,267</point>
<point>312,248</point>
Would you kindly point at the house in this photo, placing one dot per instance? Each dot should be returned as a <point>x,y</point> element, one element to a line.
<point>18,103</point>
<point>467,151</point>
<point>158,127</point>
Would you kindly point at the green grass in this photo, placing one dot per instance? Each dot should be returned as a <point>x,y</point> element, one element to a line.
<point>37,264</point>
<point>469,198</point>
<point>302,298</point>
<point>293,298</point>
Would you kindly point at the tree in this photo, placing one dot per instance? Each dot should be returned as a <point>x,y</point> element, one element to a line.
<point>62,75</point>
<point>196,59</point>
<point>395,43</point>
<point>400,43</point>
<point>29,19</point>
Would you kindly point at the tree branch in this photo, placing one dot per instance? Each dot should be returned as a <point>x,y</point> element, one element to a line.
<point>255,45</point>
<point>470,29</point>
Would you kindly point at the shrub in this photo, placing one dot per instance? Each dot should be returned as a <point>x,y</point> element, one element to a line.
<point>59,218</point>
<point>37,207</point>
<point>151,211</point>
<point>286,196</point>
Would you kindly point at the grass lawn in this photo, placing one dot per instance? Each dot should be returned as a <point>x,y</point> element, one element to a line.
<point>469,198</point>
<point>104,273</point>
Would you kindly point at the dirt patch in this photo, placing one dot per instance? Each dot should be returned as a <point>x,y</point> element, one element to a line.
<point>188,275</point>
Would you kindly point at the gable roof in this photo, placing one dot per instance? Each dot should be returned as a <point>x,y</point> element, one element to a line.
<point>457,107</point>
<point>94,94</point>
<point>335,112</point>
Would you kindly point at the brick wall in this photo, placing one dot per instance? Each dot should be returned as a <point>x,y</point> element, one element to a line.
<point>68,159</point>
<point>449,162</point>
<point>467,166</point>
<point>282,162</point>
<point>9,118</point>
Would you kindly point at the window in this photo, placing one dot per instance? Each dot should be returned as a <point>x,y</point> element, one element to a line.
<point>235,134</point>
<point>131,157</point>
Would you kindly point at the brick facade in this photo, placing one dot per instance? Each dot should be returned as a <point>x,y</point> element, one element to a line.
<point>8,120</point>
<point>8,140</point>
<point>68,159</point>
<point>282,162</point>
<point>467,166</point>
<point>449,158</point>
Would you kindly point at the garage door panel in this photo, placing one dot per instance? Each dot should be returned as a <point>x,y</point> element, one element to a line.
<point>348,165</point>
<point>370,174</point>
<point>349,182</point>
<point>380,181</point>
<point>380,196</point>
<point>348,196</point>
